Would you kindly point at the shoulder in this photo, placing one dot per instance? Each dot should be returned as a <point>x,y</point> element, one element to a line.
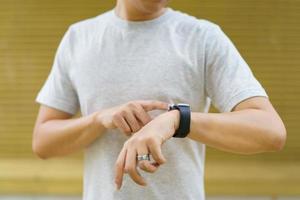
<point>204,31</point>
<point>187,24</point>
<point>88,28</point>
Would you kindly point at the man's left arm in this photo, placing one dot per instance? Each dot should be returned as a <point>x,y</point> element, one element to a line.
<point>254,126</point>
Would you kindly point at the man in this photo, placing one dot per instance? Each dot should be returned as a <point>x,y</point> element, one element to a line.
<point>122,69</point>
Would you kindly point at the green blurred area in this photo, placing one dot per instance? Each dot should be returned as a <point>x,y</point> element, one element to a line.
<point>266,32</point>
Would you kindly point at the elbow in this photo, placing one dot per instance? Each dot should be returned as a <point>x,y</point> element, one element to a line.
<point>278,139</point>
<point>276,133</point>
<point>279,142</point>
<point>38,149</point>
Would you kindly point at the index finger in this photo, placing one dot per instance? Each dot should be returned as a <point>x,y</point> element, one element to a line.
<point>130,168</point>
<point>119,168</point>
<point>149,105</point>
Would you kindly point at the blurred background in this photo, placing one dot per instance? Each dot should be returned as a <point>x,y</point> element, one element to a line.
<point>266,32</point>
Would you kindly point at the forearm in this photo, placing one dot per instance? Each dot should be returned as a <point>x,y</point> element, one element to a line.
<point>61,137</point>
<point>247,131</point>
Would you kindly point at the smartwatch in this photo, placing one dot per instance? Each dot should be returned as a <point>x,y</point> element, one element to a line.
<point>185,119</point>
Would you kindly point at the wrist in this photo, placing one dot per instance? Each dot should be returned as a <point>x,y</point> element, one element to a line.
<point>175,114</point>
<point>97,123</point>
<point>168,123</point>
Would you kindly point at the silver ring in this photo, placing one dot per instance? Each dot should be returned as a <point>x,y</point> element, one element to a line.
<point>143,157</point>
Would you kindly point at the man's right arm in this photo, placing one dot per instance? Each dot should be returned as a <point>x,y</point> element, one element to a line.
<point>56,133</point>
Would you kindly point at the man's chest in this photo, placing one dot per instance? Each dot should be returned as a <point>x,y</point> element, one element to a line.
<point>119,72</point>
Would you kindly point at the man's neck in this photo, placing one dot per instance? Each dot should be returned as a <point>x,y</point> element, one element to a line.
<point>128,12</point>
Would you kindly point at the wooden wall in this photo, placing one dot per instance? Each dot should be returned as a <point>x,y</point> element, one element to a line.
<point>265,31</point>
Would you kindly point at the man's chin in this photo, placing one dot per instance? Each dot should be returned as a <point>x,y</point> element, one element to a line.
<point>153,8</point>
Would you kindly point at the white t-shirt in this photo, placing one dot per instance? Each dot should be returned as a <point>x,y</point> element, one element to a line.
<point>107,61</point>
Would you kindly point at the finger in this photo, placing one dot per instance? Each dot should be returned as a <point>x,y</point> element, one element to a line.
<point>132,121</point>
<point>155,151</point>
<point>119,168</point>
<point>155,164</point>
<point>153,105</point>
<point>141,114</point>
<point>130,167</point>
<point>145,164</point>
<point>122,124</point>
<point>141,123</point>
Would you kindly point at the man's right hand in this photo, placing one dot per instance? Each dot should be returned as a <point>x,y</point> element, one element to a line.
<point>129,117</point>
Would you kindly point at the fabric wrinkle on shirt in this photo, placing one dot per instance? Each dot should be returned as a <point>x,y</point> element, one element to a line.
<point>107,61</point>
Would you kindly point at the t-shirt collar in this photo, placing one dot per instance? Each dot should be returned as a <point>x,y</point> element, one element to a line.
<point>139,24</point>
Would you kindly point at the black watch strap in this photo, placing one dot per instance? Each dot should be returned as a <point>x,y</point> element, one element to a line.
<point>185,119</point>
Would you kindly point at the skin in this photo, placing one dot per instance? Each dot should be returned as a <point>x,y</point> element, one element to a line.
<point>140,10</point>
<point>253,126</point>
<point>130,117</point>
<point>57,134</point>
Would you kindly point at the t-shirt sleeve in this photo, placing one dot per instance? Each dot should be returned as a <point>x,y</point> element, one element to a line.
<point>58,91</point>
<point>228,78</point>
